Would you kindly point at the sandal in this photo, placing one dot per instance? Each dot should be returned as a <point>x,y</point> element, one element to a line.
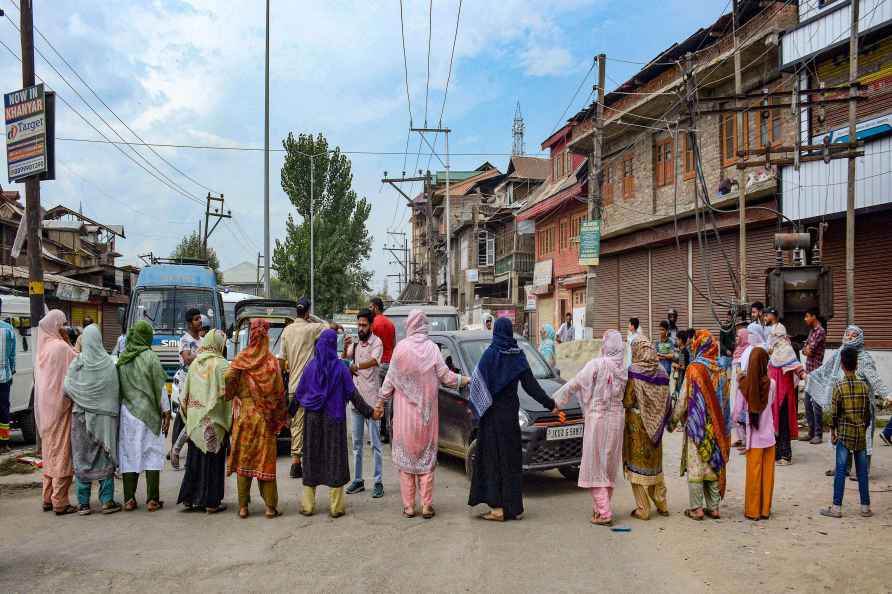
<point>408,512</point>
<point>694,516</point>
<point>275,513</point>
<point>635,514</point>
<point>154,505</point>
<point>599,521</point>
<point>112,507</point>
<point>130,505</point>
<point>68,509</point>
<point>215,510</point>
<point>243,512</point>
<point>428,513</point>
<point>47,507</point>
<point>490,516</point>
<point>664,513</point>
<point>714,514</point>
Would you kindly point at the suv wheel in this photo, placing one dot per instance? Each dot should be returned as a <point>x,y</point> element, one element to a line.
<point>27,422</point>
<point>471,459</point>
<point>570,472</point>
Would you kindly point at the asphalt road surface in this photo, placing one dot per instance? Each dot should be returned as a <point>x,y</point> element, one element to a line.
<point>374,549</point>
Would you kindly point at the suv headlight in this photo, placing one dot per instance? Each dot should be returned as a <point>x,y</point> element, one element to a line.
<point>524,418</point>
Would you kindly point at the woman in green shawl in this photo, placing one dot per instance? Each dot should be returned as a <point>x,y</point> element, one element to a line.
<point>145,416</point>
<point>208,421</point>
<point>92,385</point>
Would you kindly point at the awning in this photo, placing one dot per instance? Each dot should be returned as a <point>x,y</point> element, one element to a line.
<point>576,280</point>
<point>551,203</point>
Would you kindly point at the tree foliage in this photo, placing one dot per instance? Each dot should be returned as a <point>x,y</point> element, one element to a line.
<point>190,246</point>
<point>342,242</point>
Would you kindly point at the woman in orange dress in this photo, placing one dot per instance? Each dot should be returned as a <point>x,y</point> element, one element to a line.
<point>254,380</point>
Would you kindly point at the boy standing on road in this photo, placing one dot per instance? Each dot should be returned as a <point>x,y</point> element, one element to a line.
<point>665,348</point>
<point>850,414</point>
<point>364,356</point>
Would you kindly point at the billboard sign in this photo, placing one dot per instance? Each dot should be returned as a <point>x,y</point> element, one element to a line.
<point>26,147</point>
<point>590,243</point>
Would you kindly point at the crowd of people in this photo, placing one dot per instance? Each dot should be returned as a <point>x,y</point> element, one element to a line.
<point>99,417</point>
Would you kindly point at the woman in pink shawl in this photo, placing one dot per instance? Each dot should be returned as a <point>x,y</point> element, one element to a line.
<point>416,371</point>
<point>738,420</point>
<point>54,354</point>
<point>599,388</point>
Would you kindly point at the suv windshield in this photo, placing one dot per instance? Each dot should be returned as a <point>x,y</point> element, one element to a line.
<point>165,309</point>
<point>473,350</point>
<point>435,323</point>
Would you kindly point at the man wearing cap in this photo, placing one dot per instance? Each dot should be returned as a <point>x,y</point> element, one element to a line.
<point>672,318</point>
<point>298,346</point>
<point>770,317</point>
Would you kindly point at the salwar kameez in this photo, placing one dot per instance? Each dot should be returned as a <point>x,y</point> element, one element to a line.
<point>91,463</point>
<point>643,463</point>
<point>204,478</point>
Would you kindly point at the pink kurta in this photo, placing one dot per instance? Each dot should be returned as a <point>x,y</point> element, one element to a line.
<point>53,408</point>
<point>763,435</point>
<point>599,388</point>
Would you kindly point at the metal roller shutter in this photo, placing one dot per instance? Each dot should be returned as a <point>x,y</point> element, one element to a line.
<point>670,285</point>
<point>111,326</point>
<point>719,287</point>
<point>633,294</point>
<point>760,257</point>
<point>606,296</point>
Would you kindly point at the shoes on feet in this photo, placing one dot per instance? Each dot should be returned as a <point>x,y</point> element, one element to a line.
<point>378,491</point>
<point>816,440</point>
<point>355,487</point>
<point>297,471</point>
<point>84,510</point>
<point>112,507</point>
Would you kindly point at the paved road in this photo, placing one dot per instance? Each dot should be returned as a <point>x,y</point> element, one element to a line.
<point>375,549</point>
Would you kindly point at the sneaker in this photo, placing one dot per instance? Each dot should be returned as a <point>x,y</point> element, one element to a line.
<point>112,507</point>
<point>355,487</point>
<point>84,510</point>
<point>297,471</point>
<point>886,441</point>
<point>378,491</point>
<point>816,440</point>
<point>829,512</point>
<point>805,437</point>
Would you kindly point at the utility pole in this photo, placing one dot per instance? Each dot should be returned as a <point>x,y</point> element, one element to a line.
<point>395,251</point>
<point>266,283</point>
<point>218,214</point>
<point>742,133</point>
<point>445,132</point>
<point>312,239</point>
<point>853,145</point>
<point>258,269</point>
<point>32,184</point>
<point>596,174</point>
<point>428,214</point>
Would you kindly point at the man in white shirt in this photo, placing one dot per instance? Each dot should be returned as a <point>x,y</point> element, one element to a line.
<point>189,343</point>
<point>364,356</point>
<point>566,333</point>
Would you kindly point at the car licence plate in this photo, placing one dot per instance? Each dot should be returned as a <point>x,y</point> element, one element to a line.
<point>570,432</point>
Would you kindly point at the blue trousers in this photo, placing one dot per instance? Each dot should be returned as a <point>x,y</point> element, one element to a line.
<point>106,491</point>
<point>359,425</point>
<point>839,480</point>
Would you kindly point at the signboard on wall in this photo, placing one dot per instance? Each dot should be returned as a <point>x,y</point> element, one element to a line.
<point>542,275</point>
<point>590,243</point>
<point>505,313</point>
<point>26,149</point>
<point>531,298</point>
<point>471,275</point>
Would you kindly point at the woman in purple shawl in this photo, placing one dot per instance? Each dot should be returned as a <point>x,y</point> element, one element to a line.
<point>325,388</point>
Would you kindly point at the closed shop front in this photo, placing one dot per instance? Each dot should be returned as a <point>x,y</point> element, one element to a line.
<point>669,283</point>
<point>715,279</point>
<point>606,296</point>
<point>634,290</point>
<point>111,325</point>
<point>545,311</point>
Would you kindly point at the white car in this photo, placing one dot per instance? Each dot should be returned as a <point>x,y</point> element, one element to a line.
<point>16,311</point>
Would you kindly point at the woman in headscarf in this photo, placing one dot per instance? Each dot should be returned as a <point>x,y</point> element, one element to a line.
<point>92,384</point>
<point>785,369</point>
<point>647,407</point>
<point>547,345</point>
<point>53,413</point>
<point>599,389</point>
<point>145,416</point>
<point>757,393</point>
<point>820,382</point>
<point>416,371</point>
<point>706,445</point>
<point>325,388</point>
<point>738,423</point>
<point>498,469</point>
<point>254,380</point>
<point>208,418</point>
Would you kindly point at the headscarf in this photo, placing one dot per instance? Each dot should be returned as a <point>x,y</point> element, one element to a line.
<point>54,354</point>
<point>415,356</point>
<point>756,384</point>
<point>819,383</point>
<point>208,414</point>
<point>501,363</point>
<point>92,384</point>
<point>326,384</point>
<point>546,347</point>
<point>743,341</point>
<point>757,336</point>
<point>705,424</point>
<point>259,369</point>
<point>649,383</point>
<point>141,377</point>
<point>781,351</point>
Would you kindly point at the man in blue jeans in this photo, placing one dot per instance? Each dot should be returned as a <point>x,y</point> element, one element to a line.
<point>850,414</point>
<point>365,357</point>
<point>7,370</point>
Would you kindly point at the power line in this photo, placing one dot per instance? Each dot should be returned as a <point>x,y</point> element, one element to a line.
<point>560,119</point>
<point>405,62</point>
<point>446,88</point>
<point>430,30</point>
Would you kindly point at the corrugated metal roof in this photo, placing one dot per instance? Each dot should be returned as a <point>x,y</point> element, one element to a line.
<point>520,167</point>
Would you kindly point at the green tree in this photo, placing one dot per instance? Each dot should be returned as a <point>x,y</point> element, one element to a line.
<point>190,246</point>
<point>342,242</point>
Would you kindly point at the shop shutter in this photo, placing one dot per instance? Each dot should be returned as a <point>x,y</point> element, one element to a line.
<point>606,296</point>
<point>712,296</point>
<point>670,284</point>
<point>82,310</point>
<point>760,257</point>
<point>111,326</point>
<point>633,295</point>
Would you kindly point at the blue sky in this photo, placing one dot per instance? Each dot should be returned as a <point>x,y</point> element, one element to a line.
<point>191,72</point>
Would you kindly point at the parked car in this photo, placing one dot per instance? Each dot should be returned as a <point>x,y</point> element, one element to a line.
<point>16,310</point>
<point>439,317</point>
<point>547,443</point>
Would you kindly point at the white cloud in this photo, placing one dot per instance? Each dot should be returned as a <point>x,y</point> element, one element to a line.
<point>550,61</point>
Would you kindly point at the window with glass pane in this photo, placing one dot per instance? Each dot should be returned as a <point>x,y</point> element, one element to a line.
<point>185,299</point>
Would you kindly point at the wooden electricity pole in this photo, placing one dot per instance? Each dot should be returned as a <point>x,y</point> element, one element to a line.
<point>742,134</point>
<point>596,175</point>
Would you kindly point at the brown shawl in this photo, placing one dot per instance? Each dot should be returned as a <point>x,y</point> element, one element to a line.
<point>650,385</point>
<point>756,383</point>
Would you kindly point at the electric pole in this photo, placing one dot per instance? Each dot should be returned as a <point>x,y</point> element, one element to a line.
<point>596,175</point>
<point>401,255</point>
<point>428,214</point>
<point>445,164</point>
<point>853,144</point>
<point>266,283</point>
<point>208,213</point>
<point>742,134</point>
<point>32,184</point>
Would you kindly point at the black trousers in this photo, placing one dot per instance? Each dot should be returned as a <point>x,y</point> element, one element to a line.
<point>783,450</point>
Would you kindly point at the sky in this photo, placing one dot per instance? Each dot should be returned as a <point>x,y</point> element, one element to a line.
<point>190,72</point>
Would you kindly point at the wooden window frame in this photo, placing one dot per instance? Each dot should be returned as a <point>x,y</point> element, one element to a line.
<point>689,166</point>
<point>774,118</point>
<point>723,123</point>
<point>664,163</point>
<point>607,186</point>
<point>628,176</point>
